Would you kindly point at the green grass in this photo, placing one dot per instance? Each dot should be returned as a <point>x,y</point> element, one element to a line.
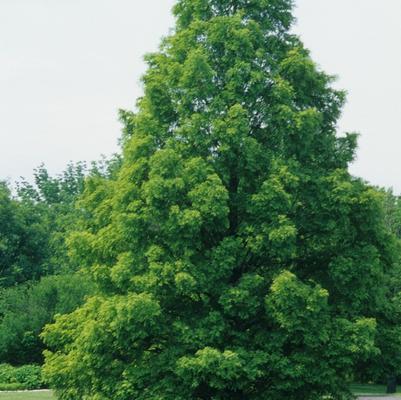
<point>370,389</point>
<point>26,396</point>
<point>356,389</point>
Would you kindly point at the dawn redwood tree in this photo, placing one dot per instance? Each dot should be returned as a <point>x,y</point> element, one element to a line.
<point>235,256</point>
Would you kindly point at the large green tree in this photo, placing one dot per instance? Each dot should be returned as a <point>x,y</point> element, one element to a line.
<point>235,256</point>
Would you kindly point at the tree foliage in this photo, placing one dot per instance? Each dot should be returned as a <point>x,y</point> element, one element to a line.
<point>22,241</point>
<point>27,308</point>
<point>235,257</point>
<point>35,222</point>
<point>34,227</point>
<point>386,364</point>
<point>54,200</point>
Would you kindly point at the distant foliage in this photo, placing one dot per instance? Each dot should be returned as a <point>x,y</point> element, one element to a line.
<point>23,241</point>
<point>392,211</point>
<point>33,225</point>
<point>26,309</point>
<point>387,362</point>
<point>54,199</point>
<point>37,278</point>
<point>27,377</point>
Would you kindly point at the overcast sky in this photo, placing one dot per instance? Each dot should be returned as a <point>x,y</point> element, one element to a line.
<point>67,66</point>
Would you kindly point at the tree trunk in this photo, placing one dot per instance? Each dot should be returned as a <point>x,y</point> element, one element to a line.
<point>391,384</point>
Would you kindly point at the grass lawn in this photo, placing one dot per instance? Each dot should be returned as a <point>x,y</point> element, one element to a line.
<point>26,396</point>
<point>356,389</point>
<point>371,389</point>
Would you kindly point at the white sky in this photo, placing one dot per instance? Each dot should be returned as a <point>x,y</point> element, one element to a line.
<point>66,66</point>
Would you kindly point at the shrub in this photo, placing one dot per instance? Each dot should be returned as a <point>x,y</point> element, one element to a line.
<point>11,386</point>
<point>26,309</point>
<point>20,378</point>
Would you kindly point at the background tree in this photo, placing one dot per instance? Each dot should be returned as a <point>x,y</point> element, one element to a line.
<point>235,257</point>
<point>53,200</point>
<point>22,241</point>
<point>35,222</point>
<point>27,308</point>
<point>385,366</point>
<point>392,212</point>
<point>37,277</point>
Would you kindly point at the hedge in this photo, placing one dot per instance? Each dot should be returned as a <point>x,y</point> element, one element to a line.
<point>20,378</point>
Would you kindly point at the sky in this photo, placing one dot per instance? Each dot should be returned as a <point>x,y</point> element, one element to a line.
<point>67,66</point>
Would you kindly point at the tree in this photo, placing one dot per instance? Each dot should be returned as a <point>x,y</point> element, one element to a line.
<point>34,227</point>
<point>392,212</point>
<point>53,200</point>
<point>22,241</point>
<point>25,309</point>
<point>385,367</point>
<point>235,256</point>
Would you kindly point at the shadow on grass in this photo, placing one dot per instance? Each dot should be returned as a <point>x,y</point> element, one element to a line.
<point>378,390</point>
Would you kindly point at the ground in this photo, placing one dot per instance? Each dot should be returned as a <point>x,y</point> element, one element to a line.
<point>372,390</point>
<point>367,392</point>
<point>33,395</point>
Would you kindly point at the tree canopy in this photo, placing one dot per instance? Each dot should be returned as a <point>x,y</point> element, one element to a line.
<point>37,275</point>
<point>25,309</point>
<point>235,257</point>
<point>22,241</point>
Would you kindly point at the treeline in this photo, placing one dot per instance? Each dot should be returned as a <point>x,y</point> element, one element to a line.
<point>41,278</point>
<point>38,277</point>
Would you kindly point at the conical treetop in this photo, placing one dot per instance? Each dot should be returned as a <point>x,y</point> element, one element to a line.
<point>275,15</point>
